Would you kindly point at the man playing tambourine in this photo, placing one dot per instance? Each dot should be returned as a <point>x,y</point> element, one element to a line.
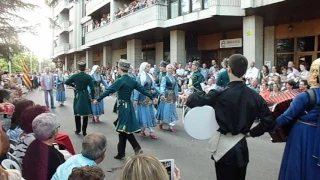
<point>236,108</point>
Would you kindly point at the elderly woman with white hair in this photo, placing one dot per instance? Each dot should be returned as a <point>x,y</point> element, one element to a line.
<point>167,112</point>
<point>144,105</point>
<point>98,81</point>
<point>42,159</point>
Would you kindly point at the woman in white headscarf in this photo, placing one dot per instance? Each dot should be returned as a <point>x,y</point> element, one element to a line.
<point>98,81</point>
<point>61,91</point>
<point>145,110</point>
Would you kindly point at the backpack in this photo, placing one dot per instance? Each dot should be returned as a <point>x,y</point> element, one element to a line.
<point>312,100</point>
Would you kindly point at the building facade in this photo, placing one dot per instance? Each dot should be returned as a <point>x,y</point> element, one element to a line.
<point>270,32</point>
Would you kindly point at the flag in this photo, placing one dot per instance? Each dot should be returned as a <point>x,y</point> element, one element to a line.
<point>26,78</point>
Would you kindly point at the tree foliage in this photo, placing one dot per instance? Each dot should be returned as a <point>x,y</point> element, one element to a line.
<point>18,62</point>
<point>11,25</point>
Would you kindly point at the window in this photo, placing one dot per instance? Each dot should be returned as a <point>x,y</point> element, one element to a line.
<point>174,8</point>
<point>206,4</point>
<point>285,45</point>
<point>283,59</point>
<point>305,44</point>
<point>196,5</point>
<point>185,7</point>
<point>123,56</point>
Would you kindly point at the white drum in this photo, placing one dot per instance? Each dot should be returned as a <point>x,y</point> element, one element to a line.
<point>200,122</point>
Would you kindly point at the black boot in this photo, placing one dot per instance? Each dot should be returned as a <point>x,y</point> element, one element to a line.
<point>119,156</point>
<point>78,124</point>
<point>85,125</point>
<point>138,151</point>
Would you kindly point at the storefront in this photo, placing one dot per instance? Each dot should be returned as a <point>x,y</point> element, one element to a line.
<point>298,42</point>
<point>219,46</point>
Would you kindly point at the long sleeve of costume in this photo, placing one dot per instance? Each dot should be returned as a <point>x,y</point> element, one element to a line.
<point>154,87</point>
<point>197,80</point>
<point>163,86</point>
<point>136,93</point>
<point>111,89</point>
<point>297,106</point>
<point>219,79</point>
<point>267,122</point>
<point>176,91</point>
<point>139,88</point>
<point>91,86</point>
<point>70,81</point>
<point>200,99</point>
<point>104,82</point>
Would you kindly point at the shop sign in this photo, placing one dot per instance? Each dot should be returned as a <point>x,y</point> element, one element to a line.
<point>231,43</point>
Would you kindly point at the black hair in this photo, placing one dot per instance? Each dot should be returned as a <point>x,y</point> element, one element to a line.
<point>267,68</point>
<point>125,71</point>
<point>4,95</point>
<point>82,68</point>
<point>238,64</point>
<point>291,82</point>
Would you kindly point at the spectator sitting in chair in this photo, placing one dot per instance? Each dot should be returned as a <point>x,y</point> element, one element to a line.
<point>93,152</point>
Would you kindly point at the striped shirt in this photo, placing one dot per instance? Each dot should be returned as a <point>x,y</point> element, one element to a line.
<point>23,145</point>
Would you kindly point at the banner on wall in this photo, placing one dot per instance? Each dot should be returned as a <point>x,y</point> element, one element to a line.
<point>231,43</point>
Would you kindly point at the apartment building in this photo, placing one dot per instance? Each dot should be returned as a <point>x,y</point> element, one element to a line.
<point>270,32</point>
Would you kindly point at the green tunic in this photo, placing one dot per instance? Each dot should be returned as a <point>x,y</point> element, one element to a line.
<point>223,79</point>
<point>127,121</point>
<point>197,79</point>
<point>81,102</point>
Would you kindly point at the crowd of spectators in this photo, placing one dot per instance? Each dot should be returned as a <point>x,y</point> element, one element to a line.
<point>33,148</point>
<point>133,7</point>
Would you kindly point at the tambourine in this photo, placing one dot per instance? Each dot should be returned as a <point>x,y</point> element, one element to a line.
<point>200,122</point>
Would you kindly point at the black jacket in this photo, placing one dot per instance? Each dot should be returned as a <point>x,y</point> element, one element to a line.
<point>237,107</point>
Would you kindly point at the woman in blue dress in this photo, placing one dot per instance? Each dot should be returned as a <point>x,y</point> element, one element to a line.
<point>98,81</point>
<point>300,157</point>
<point>167,112</point>
<point>61,91</point>
<point>145,110</point>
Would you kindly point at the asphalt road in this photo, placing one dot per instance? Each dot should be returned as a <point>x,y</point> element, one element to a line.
<point>190,155</point>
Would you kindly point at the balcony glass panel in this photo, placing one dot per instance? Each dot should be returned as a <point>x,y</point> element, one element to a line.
<point>174,8</point>
<point>196,5</point>
<point>185,6</point>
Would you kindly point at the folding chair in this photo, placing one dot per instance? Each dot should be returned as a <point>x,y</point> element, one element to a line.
<point>13,158</point>
<point>10,164</point>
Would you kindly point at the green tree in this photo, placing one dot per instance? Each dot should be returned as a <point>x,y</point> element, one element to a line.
<point>11,25</point>
<point>18,62</point>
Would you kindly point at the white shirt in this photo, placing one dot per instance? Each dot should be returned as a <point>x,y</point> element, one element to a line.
<point>180,72</point>
<point>304,75</point>
<point>290,76</point>
<point>252,72</point>
<point>295,72</point>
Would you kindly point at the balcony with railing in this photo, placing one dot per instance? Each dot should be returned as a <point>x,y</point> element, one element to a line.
<point>138,21</point>
<point>62,5</point>
<point>258,3</point>
<point>61,49</point>
<point>94,5</point>
<point>226,7</point>
<point>64,26</point>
